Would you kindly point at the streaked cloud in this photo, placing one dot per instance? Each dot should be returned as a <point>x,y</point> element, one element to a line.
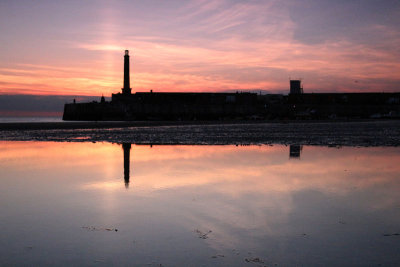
<point>200,45</point>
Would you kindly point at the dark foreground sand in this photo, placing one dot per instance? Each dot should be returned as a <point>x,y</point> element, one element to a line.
<point>361,133</point>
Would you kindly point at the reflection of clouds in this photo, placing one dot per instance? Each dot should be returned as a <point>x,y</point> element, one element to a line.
<point>238,170</point>
<point>53,153</point>
<point>252,198</point>
<point>228,169</point>
<point>100,186</point>
<point>253,189</point>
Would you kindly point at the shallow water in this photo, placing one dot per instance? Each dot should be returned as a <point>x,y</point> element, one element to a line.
<point>70,204</point>
<point>362,133</point>
<point>30,119</point>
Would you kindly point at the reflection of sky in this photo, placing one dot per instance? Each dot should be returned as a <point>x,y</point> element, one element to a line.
<point>52,47</point>
<point>332,206</point>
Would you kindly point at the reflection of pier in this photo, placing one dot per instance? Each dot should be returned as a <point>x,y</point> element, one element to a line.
<point>295,151</point>
<point>127,152</point>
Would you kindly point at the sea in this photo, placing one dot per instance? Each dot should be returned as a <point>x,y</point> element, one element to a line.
<point>30,119</point>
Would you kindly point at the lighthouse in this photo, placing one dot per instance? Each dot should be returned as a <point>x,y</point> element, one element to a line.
<point>126,90</point>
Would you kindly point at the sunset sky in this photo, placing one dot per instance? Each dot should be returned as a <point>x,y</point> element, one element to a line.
<point>76,47</point>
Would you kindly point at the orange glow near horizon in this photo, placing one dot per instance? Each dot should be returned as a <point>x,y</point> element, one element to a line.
<point>199,47</point>
<point>173,68</point>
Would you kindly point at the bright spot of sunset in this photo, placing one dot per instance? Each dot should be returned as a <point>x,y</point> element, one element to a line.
<point>76,48</point>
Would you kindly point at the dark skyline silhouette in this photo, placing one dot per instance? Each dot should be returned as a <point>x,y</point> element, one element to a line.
<point>233,106</point>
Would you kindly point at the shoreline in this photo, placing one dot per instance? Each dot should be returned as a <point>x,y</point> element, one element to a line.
<point>363,133</point>
<point>71,125</point>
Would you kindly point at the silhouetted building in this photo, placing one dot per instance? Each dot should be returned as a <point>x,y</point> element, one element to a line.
<point>233,106</point>
<point>295,87</point>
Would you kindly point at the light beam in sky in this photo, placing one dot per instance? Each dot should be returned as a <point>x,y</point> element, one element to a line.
<point>76,48</point>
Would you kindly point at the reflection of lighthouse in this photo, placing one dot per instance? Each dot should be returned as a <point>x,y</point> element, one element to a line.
<point>127,152</point>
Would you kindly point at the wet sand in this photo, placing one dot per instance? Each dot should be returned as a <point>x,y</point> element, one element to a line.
<point>358,133</point>
<point>9,126</point>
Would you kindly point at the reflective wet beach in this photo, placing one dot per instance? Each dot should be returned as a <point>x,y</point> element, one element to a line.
<point>83,204</point>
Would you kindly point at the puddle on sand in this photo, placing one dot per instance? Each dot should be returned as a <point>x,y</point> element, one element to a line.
<point>125,204</point>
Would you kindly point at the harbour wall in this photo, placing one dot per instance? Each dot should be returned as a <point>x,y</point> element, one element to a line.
<point>220,106</point>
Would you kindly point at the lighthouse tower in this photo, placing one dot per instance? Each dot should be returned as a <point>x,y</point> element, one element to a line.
<point>126,90</point>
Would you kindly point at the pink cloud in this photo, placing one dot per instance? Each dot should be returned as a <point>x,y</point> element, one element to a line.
<point>206,46</point>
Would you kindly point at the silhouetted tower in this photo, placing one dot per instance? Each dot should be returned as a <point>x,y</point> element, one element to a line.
<point>127,152</point>
<point>295,151</point>
<point>295,87</point>
<point>126,90</point>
